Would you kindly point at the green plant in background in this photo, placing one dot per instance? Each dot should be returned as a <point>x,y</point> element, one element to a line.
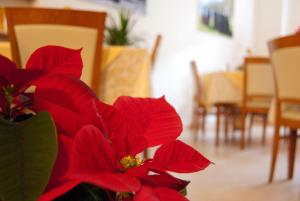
<point>118,32</point>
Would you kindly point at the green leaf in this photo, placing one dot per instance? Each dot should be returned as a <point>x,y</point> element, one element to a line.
<point>118,33</point>
<point>27,154</point>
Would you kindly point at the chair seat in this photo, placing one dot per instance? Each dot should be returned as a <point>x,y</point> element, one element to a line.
<point>291,112</point>
<point>261,104</point>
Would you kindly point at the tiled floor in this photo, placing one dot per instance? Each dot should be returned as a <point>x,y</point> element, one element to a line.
<point>241,175</point>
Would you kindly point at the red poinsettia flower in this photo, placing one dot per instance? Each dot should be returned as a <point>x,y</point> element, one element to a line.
<point>44,66</point>
<point>13,82</point>
<point>68,99</point>
<point>107,157</point>
<point>174,156</point>
<point>44,61</point>
<point>99,143</point>
<point>74,109</point>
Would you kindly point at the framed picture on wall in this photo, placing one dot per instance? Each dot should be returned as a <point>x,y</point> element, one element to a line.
<point>216,16</point>
<point>132,5</point>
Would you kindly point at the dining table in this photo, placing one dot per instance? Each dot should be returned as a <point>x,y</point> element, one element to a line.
<point>222,91</point>
<point>223,87</point>
<point>124,71</point>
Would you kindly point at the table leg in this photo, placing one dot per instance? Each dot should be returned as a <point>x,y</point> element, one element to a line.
<point>226,123</point>
<point>218,125</point>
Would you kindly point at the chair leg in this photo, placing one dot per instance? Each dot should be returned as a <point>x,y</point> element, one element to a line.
<point>203,126</point>
<point>250,128</point>
<point>292,151</point>
<point>218,125</point>
<point>274,152</point>
<point>226,112</point>
<point>265,117</point>
<point>244,115</point>
<point>285,131</point>
<point>194,127</point>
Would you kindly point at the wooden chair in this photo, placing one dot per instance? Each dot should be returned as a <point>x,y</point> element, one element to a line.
<point>199,110</point>
<point>155,49</point>
<point>31,28</point>
<point>2,16</point>
<point>285,58</point>
<point>257,93</point>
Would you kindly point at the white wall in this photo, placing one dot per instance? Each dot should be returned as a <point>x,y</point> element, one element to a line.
<point>294,15</point>
<point>290,16</point>
<point>268,22</point>
<point>255,22</point>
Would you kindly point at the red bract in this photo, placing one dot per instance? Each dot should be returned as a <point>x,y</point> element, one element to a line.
<point>47,68</point>
<point>11,76</point>
<point>158,194</point>
<point>56,59</point>
<point>98,143</point>
<point>43,62</point>
<point>13,82</point>
<point>70,102</point>
<point>108,160</point>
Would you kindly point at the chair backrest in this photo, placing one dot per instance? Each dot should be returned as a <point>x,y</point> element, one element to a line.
<point>285,58</point>
<point>258,77</point>
<point>31,28</point>
<point>2,20</point>
<point>155,49</point>
<point>197,81</point>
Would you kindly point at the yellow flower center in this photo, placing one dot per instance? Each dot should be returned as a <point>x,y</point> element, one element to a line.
<point>131,161</point>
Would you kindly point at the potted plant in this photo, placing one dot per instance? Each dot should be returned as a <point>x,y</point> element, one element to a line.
<point>59,142</point>
<point>123,61</point>
<point>117,33</point>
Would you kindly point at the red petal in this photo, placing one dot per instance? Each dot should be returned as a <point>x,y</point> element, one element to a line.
<point>93,161</point>
<point>6,69</point>
<point>117,130</point>
<point>158,194</point>
<point>146,194</point>
<point>139,171</point>
<point>62,163</point>
<point>56,59</point>
<point>92,153</point>
<point>117,182</point>
<point>60,190</point>
<point>23,78</point>
<point>6,63</point>
<point>179,157</point>
<point>3,103</point>
<point>153,119</point>
<point>166,194</point>
<point>70,102</point>
<point>164,180</point>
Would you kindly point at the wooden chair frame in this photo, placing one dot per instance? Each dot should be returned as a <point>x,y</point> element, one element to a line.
<point>23,16</point>
<point>155,49</point>
<point>199,111</point>
<point>279,43</point>
<point>246,97</point>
